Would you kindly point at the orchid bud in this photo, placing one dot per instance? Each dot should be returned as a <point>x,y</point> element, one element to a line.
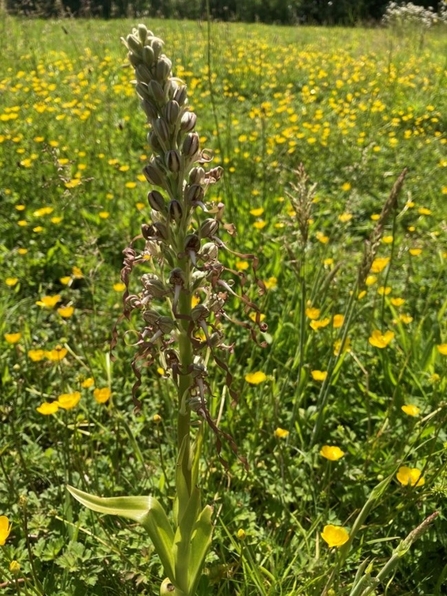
<point>156,91</point>
<point>196,175</point>
<point>171,112</point>
<point>191,144</point>
<point>153,175</point>
<point>173,160</point>
<point>142,32</point>
<point>149,108</point>
<point>192,242</point>
<point>194,194</point>
<point>209,228</point>
<point>163,68</point>
<point>161,130</point>
<point>148,55</point>
<point>175,210</point>
<point>134,45</point>
<point>180,95</point>
<point>156,201</point>
<point>154,142</point>
<point>188,121</point>
<point>157,46</point>
<point>209,251</point>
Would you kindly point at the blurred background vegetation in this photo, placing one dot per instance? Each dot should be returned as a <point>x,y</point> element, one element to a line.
<point>290,12</point>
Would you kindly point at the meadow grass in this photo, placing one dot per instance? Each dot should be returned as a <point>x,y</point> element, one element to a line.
<point>355,107</point>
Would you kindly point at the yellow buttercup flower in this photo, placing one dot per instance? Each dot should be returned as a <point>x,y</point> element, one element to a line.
<point>49,301</point>
<point>87,383</point>
<point>57,354</point>
<point>318,375</point>
<point>281,433</point>
<point>119,287</point>
<point>66,311</point>
<point>271,283</point>
<point>5,529</point>
<point>67,401</point>
<point>257,212</point>
<point>11,281</point>
<point>379,340</point>
<point>36,355</point>
<point>12,338</point>
<point>335,536</point>
<point>256,377</point>
<point>379,264</point>
<point>338,321</point>
<point>442,349</point>
<point>320,323</point>
<point>312,313</point>
<point>47,408</point>
<point>410,476</point>
<point>332,453</point>
<point>102,395</point>
<point>397,301</point>
<point>411,410</point>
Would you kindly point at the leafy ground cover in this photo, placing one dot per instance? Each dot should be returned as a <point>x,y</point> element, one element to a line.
<point>340,415</point>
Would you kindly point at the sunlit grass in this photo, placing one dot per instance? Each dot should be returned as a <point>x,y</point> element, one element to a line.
<point>355,107</point>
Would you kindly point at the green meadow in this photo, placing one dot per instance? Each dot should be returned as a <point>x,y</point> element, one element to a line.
<point>332,388</point>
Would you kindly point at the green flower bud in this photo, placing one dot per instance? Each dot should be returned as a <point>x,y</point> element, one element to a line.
<point>173,160</point>
<point>143,91</point>
<point>177,277</point>
<point>154,286</point>
<point>171,112</point>
<point>163,68</point>
<point>209,251</point>
<point>151,316</point>
<point>194,194</point>
<point>154,143</point>
<point>166,324</point>
<point>191,145</point>
<point>192,242</point>
<point>157,46</point>
<point>154,175</point>
<point>143,73</point>
<point>148,55</point>
<point>175,210</point>
<point>142,32</point>
<point>133,59</point>
<point>161,229</point>
<point>199,312</point>
<point>188,121</point>
<point>180,95</point>
<point>149,109</point>
<point>156,201</point>
<point>196,175</point>
<point>134,45</point>
<point>156,91</point>
<point>209,228</point>
<point>160,127</point>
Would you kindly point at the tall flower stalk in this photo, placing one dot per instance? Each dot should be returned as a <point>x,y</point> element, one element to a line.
<point>181,302</point>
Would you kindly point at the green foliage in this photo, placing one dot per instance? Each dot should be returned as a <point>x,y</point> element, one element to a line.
<point>354,107</point>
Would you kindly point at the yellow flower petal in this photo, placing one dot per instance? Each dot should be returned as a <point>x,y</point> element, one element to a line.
<point>334,536</point>
<point>410,476</point>
<point>256,377</point>
<point>48,408</point>
<point>411,410</point>
<point>102,395</point>
<point>5,529</point>
<point>12,338</point>
<point>332,453</point>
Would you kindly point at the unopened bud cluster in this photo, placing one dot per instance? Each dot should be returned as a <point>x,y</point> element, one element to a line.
<point>181,243</point>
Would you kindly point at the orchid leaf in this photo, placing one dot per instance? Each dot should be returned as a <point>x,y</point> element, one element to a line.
<point>145,510</point>
<point>200,544</point>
